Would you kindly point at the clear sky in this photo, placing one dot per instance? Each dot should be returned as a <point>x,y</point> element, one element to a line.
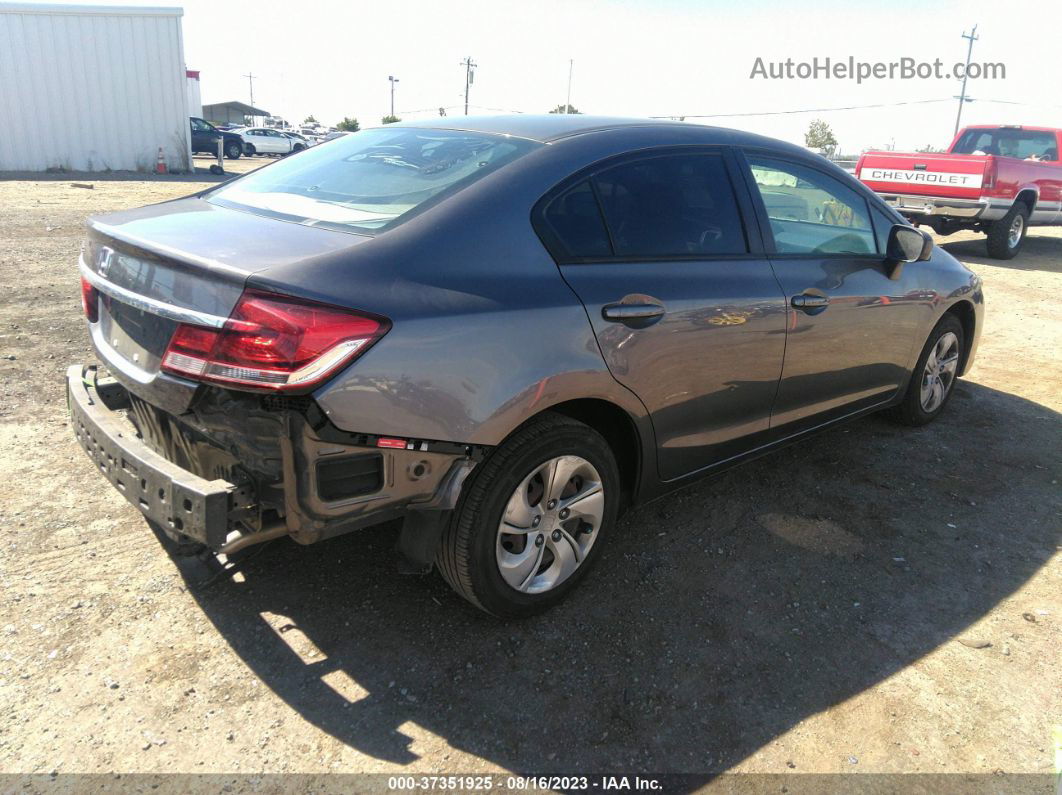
<point>332,58</point>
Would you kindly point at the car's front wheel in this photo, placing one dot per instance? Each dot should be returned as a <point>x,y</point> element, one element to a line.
<point>934,376</point>
<point>529,523</point>
<point>249,150</point>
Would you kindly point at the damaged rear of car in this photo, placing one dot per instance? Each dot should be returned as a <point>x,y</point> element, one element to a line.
<point>219,318</point>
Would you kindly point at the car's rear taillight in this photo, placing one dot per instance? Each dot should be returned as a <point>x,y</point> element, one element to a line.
<point>273,342</point>
<point>90,300</point>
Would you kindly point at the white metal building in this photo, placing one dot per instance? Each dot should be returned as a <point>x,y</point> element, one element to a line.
<point>92,88</point>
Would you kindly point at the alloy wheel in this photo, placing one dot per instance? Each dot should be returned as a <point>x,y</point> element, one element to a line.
<point>549,524</point>
<point>939,373</point>
<point>1017,226</point>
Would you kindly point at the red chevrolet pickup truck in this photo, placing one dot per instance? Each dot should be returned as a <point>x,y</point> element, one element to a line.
<point>999,180</point>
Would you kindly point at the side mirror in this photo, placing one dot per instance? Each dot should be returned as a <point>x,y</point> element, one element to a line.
<point>906,244</point>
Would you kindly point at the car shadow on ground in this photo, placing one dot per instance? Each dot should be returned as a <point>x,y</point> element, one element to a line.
<point>1038,253</point>
<point>716,619</point>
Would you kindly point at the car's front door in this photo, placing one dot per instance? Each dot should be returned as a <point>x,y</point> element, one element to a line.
<point>204,137</point>
<point>851,327</point>
<point>665,255</point>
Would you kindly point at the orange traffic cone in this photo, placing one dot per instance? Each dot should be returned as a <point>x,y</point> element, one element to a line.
<point>160,164</point>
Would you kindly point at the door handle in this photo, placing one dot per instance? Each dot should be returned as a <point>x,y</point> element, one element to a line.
<point>633,314</point>
<point>810,303</point>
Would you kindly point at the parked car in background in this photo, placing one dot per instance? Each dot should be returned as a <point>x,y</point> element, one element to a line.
<point>205,138</point>
<point>502,334</point>
<point>335,134</point>
<point>307,141</point>
<point>265,141</point>
<point>998,179</point>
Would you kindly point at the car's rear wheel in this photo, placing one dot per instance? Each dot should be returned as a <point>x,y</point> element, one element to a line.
<point>233,150</point>
<point>528,525</point>
<point>934,376</point>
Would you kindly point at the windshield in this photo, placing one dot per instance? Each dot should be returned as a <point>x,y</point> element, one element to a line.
<point>1008,142</point>
<point>368,181</point>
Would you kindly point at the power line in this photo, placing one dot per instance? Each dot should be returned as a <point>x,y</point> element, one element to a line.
<point>437,108</point>
<point>803,110</point>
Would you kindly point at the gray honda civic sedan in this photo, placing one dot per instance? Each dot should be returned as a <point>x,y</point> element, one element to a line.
<point>501,332</point>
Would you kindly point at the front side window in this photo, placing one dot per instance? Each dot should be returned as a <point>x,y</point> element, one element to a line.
<point>671,206</point>
<point>810,212</point>
<point>367,181</point>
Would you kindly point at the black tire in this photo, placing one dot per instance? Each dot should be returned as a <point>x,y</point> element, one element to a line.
<point>233,151</point>
<point>910,410</point>
<point>297,148</point>
<point>999,242</point>
<point>467,554</point>
<point>249,150</point>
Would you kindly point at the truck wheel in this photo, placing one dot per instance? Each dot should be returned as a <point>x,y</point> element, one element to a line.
<point>233,151</point>
<point>527,527</point>
<point>1006,235</point>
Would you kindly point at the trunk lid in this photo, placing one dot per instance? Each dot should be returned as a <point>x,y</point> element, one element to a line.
<point>182,261</point>
<point>917,174</point>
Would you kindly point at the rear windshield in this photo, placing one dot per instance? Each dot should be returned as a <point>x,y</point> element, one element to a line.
<point>371,180</point>
<point>1008,142</point>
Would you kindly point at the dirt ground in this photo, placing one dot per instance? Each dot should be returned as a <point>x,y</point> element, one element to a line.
<point>878,599</point>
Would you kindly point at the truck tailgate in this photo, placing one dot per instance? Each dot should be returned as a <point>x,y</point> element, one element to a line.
<point>951,176</point>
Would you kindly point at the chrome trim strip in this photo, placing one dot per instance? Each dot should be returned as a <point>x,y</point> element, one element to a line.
<point>179,313</point>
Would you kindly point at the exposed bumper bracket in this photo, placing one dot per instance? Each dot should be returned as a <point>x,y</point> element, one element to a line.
<point>180,502</point>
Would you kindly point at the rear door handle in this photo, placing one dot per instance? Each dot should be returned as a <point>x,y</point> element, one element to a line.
<point>810,303</point>
<point>636,315</point>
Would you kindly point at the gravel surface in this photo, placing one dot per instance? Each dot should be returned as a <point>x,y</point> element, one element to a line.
<point>877,599</point>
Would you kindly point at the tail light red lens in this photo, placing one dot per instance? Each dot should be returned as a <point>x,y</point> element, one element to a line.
<point>90,300</point>
<point>990,175</point>
<point>273,342</point>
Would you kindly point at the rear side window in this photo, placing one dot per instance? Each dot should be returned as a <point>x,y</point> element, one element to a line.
<point>1008,142</point>
<point>671,206</point>
<point>575,222</point>
<point>810,212</point>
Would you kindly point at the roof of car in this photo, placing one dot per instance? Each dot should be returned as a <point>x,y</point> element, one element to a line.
<point>544,128</point>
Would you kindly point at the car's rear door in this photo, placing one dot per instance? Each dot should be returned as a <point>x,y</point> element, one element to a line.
<point>852,328</point>
<point>664,253</point>
<point>258,139</point>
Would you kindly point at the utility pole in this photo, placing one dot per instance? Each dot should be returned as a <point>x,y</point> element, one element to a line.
<point>568,104</point>
<point>250,84</point>
<point>469,77</point>
<point>393,80</point>
<point>972,37</point>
